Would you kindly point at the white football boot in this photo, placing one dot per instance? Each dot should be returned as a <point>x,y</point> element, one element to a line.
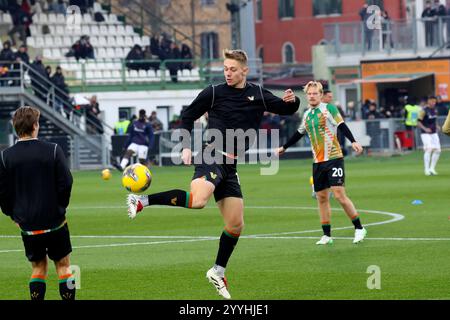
<point>325,240</point>
<point>219,283</point>
<point>360,234</point>
<point>433,172</point>
<point>134,205</point>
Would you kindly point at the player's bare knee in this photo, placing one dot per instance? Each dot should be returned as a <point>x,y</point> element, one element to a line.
<point>340,197</point>
<point>199,203</point>
<point>236,228</point>
<point>322,197</point>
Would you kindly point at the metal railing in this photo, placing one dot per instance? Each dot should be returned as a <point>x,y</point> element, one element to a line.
<point>140,13</point>
<point>159,73</point>
<point>32,87</point>
<point>399,35</point>
<point>378,136</point>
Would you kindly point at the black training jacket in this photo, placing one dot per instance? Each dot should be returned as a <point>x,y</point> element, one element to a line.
<point>35,184</point>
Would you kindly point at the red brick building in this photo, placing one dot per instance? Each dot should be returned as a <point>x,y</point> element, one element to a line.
<point>287,29</point>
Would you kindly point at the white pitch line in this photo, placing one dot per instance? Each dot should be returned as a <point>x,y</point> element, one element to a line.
<point>396,217</point>
<point>245,237</point>
<point>124,244</point>
<point>351,238</point>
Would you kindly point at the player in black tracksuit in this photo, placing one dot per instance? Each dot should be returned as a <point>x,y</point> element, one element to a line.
<point>35,187</point>
<point>233,105</point>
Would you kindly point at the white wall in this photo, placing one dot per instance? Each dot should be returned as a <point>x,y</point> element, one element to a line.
<point>110,102</point>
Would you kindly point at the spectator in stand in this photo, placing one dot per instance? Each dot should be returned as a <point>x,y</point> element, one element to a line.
<point>175,123</point>
<point>154,45</point>
<point>48,71</point>
<point>82,49</point>
<point>6,54</point>
<point>157,125</point>
<point>87,51</point>
<point>173,66</point>
<point>27,9</point>
<point>82,4</point>
<point>4,6</point>
<point>23,54</point>
<point>133,57</point>
<point>447,20</point>
<point>15,72</point>
<point>441,107</point>
<point>21,20</point>
<point>439,12</point>
<point>351,111</point>
<point>387,29</point>
<point>148,55</point>
<point>61,91</point>
<point>186,54</point>
<point>365,109</point>
<point>35,7</point>
<point>38,75</point>
<point>93,116</point>
<point>428,15</point>
<point>368,33</point>
<point>59,6</point>
<point>373,113</point>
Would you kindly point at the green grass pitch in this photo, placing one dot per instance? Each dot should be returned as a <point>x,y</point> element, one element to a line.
<point>165,252</point>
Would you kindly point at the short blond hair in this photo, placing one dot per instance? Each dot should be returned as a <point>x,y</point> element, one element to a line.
<point>313,84</point>
<point>238,55</point>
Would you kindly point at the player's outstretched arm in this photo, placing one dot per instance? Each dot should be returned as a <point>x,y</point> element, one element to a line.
<point>292,140</point>
<point>287,105</point>
<point>202,103</point>
<point>348,134</point>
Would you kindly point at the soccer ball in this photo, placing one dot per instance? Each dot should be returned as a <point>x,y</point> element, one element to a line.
<point>136,178</point>
<point>106,174</point>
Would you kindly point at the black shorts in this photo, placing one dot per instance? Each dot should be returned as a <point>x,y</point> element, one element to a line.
<point>224,177</point>
<point>328,174</point>
<point>55,244</point>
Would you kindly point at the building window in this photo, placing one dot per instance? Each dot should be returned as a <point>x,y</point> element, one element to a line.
<point>258,10</point>
<point>288,53</point>
<point>286,8</point>
<point>210,45</point>
<point>327,7</point>
<point>207,2</point>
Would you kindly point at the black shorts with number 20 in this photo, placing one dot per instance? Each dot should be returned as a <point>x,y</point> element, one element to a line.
<point>328,174</point>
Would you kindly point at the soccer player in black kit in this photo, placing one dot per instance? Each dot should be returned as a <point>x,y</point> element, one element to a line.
<point>35,187</point>
<point>233,105</point>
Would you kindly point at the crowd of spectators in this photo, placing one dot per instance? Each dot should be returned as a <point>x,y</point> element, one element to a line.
<point>161,48</point>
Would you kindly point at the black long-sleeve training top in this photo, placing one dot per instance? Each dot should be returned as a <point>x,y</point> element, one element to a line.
<point>35,184</point>
<point>234,108</point>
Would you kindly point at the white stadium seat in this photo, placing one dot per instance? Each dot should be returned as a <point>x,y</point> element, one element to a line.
<point>145,40</point>
<point>95,30</point>
<point>121,30</point>
<point>129,30</point>
<point>87,18</point>
<point>48,42</point>
<point>51,18</point>
<point>31,41</point>
<point>112,30</point>
<point>61,19</point>
<point>111,41</point>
